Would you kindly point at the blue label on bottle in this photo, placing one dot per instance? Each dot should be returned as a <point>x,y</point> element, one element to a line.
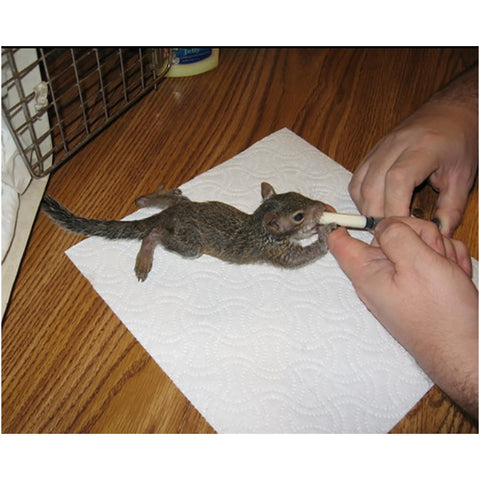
<point>184,56</point>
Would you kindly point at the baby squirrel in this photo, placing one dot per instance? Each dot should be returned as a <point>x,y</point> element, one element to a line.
<point>268,235</point>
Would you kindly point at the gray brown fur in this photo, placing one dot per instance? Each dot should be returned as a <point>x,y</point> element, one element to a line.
<point>191,229</point>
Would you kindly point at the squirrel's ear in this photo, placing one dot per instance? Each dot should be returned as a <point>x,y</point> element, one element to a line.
<point>267,190</point>
<point>276,223</point>
<point>270,220</point>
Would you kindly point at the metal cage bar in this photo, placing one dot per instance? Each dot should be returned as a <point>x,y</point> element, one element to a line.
<point>85,90</point>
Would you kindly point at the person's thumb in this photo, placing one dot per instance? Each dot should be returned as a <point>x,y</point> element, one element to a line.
<point>351,254</point>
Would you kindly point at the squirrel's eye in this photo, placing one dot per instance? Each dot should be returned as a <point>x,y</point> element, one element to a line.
<point>298,217</point>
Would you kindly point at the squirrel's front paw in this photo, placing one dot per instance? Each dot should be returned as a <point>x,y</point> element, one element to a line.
<point>160,198</point>
<point>324,230</point>
<point>330,228</point>
<point>162,191</point>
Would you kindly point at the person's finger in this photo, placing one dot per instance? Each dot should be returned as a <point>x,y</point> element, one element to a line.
<point>403,246</point>
<point>427,231</point>
<point>450,251</point>
<point>411,169</point>
<point>356,183</point>
<point>454,250</point>
<point>451,203</point>
<point>463,256</point>
<point>367,187</point>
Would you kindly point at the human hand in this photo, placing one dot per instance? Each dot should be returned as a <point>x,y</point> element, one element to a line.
<point>417,283</point>
<point>438,143</point>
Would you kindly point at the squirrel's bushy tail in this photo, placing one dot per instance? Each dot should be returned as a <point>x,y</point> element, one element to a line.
<point>112,229</point>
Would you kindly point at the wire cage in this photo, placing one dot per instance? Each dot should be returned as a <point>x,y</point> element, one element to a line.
<point>55,100</point>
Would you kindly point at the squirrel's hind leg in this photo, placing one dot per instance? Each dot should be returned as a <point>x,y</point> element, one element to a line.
<point>144,260</point>
<point>188,246</point>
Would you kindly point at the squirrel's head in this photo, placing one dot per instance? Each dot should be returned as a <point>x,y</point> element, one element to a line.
<point>290,214</point>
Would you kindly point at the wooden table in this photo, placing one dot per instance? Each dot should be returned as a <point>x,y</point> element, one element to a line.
<point>69,364</point>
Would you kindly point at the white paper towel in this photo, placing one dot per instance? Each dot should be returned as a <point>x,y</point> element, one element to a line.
<point>253,347</point>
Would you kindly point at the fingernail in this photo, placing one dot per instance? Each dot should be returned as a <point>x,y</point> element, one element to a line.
<point>437,222</point>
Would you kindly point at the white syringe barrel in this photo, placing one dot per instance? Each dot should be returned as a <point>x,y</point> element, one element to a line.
<point>348,221</point>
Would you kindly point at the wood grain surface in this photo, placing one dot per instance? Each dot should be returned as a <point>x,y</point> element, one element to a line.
<point>68,363</point>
